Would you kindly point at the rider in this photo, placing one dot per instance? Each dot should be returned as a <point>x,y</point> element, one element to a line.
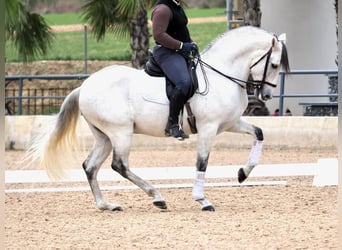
<point>172,51</point>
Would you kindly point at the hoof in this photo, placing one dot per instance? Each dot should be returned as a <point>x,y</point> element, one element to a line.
<point>208,208</point>
<point>241,175</point>
<point>160,204</point>
<point>118,208</point>
<point>206,205</point>
<point>110,207</point>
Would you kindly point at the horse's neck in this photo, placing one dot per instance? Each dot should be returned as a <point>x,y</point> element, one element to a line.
<point>232,53</point>
<point>230,61</point>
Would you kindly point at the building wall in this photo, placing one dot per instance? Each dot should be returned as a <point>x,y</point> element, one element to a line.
<point>311,42</point>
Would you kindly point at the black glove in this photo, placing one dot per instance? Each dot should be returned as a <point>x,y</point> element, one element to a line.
<point>189,50</point>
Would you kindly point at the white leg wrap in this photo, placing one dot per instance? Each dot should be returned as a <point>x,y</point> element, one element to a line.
<point>255,153</point>
<point>254,157</point>
<point>198,189</point>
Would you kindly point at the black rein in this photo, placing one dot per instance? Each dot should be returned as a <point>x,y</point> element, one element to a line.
<point>257,84</point>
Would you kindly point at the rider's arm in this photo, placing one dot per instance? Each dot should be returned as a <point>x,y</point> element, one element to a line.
<point>161,17</point>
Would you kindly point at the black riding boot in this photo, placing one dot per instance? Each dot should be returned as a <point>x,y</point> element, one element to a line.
<point>177,101</point>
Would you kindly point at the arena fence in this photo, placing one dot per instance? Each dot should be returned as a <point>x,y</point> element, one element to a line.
<point>26,101</point>
<point>332,74</point>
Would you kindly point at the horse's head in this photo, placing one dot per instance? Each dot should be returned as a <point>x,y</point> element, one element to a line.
<point>266,66</point>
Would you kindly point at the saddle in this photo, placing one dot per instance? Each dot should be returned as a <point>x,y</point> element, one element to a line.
<point>152,68</point>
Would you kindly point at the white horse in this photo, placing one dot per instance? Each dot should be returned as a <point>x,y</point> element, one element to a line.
<point>119,101</point>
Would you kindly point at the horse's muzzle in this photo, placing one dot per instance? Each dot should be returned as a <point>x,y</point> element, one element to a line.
<point>266,97</point>
<point>264,94</point>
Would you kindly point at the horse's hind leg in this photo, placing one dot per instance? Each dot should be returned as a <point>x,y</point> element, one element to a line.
<point>254,155</point>
<point>120,164</point>
<point>92,164</point>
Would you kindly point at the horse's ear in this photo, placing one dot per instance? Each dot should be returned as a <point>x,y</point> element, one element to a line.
<point>282,38</point>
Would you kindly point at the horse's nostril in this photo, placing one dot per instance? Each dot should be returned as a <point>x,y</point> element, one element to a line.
<point>267,97</point>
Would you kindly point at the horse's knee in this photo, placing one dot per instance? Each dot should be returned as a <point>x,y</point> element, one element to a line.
<point>202,163</point>
<point>118,166</point>
<point>258,133</point>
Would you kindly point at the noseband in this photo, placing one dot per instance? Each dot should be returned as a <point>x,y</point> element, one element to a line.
<point>257,84</point>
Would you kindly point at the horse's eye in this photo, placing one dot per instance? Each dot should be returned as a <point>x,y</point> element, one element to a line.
<point>274,66</point>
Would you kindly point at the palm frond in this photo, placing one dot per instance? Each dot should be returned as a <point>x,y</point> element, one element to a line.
<point>34,38</point>
<point>128,9</point>
<point>11,10</point>
<point>29,32</point>
<point>112,15</point>
<point>101,16</point>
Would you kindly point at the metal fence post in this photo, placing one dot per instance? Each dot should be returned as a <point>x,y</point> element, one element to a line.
<point>281,93</point>
<point>85,49</point>
<point>20,96</point>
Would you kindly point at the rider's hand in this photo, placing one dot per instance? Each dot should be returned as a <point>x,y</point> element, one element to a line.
<point>188,50</point>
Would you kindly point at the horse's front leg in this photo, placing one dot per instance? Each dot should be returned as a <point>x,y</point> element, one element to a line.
<point>255,153</point>
<point>205,140</point>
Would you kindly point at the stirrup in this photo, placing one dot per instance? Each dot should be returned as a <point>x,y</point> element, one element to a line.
<point>175,132</point>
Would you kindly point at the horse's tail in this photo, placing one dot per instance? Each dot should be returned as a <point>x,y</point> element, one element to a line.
<point>55,147</point>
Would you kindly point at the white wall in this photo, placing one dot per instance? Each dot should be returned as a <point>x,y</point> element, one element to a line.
<point>311,43</point>
<point>279,132</point>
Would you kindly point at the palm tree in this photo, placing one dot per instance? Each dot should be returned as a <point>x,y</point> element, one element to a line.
<point>336,10</point>
<point>333,80</point>
<point>28,31</point>
<point>252,12</point>
<point>121,17</point>
<point>252,17</point>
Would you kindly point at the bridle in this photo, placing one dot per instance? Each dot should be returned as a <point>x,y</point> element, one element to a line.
<point>256,84</point>
<point>259,84</point>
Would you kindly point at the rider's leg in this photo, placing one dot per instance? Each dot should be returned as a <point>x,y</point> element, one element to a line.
<point>177,101</point>
<point>175,68</point>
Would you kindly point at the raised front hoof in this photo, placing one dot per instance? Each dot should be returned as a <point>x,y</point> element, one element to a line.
<point>241,175</point>
<point>209,208</point>
<point>160,204</point>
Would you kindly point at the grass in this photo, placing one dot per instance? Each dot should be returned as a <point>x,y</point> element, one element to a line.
<point>76,18</point>
<point>213,12</point>
<point>63,19</point>
<point>70,45</point>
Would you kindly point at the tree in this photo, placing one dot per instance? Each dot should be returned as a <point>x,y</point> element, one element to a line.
<point>336,10</point>
<point>252,13</point>
<point>333,80</point>
<point>252,17</point>
<point>121,17</point>
<point>29,32</point>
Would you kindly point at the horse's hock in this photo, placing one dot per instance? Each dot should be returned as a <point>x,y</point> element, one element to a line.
<point>279,132</point>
